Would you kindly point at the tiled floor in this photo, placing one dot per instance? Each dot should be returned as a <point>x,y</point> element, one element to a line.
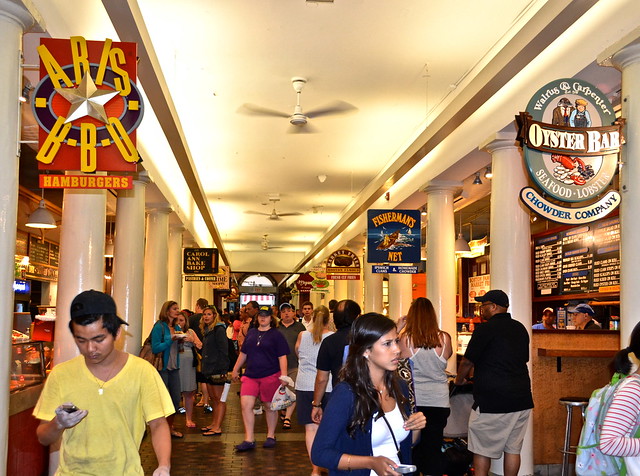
<point>201,455</point>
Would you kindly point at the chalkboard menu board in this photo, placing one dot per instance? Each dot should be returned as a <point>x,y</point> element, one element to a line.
<point>43,252</point>
<point>22,239</point>
<point>578,260</point>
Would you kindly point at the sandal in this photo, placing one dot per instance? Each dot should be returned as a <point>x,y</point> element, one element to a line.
<point>212,433</point>
<point>176,434</point>
<point>286,424</point>
<point>206,428</point>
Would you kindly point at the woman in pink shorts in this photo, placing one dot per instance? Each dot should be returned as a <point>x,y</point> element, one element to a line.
<point>265,353</point>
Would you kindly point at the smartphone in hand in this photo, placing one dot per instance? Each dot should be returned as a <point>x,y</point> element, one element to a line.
<point>69,408</point>
<point>405,469</point>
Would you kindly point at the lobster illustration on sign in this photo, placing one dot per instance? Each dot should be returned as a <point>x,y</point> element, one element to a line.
<point>571,170</point>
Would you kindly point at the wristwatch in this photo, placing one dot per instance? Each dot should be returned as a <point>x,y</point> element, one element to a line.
<point>316,405</point>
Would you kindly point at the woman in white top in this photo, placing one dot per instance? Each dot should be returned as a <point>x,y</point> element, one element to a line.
<point>367,424</point>
<point>188,383</point>
<point>307,347</point>
<point>429,348</point>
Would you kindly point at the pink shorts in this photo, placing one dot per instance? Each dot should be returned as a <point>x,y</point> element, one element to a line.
<point>264,387</point>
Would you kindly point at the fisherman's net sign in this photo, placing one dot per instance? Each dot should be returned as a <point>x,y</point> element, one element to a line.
<point>393,236</point>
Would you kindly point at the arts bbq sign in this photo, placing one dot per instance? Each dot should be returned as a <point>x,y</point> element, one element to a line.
<point>571,140</point>
<point>343,265</point>
<point>88,108</point>
<point>393,236</point>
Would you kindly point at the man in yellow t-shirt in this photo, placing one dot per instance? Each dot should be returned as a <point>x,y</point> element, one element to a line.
<point>100,401</point>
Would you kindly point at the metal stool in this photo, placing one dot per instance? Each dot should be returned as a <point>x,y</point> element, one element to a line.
<point>570,403</point>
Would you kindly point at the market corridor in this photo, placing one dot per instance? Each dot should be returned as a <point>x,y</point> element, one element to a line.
<point>202,455</point>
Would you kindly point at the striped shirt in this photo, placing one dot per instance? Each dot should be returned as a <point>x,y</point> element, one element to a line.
<point>621,423</point>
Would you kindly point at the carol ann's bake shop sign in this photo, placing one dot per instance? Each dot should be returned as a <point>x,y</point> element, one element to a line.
<point>88,108</point>
<point>571,141</point>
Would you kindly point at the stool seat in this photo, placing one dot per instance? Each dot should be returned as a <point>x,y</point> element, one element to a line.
<point>574,401</point>
<point>570,403</point>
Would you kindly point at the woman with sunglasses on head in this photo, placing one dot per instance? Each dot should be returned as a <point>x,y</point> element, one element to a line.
<point>214,364</point>
<point>367,426</point>
<point>265,352</point>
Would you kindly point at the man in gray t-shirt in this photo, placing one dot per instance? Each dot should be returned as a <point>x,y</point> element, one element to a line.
<point>290,329</point>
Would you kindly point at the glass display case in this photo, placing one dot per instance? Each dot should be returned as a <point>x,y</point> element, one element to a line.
<point>27,365</point>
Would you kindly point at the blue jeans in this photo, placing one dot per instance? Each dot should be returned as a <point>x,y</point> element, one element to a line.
<point>171,379</point>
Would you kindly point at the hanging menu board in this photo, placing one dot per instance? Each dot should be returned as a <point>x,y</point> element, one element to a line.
<point>578,260</point>
<point>43,252</point>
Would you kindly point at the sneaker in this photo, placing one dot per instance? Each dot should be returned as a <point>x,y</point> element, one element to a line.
<point>257,410</point>
<point>269,443</point>
<point>182,410</point>
<point>208,409</point>
<point>246,446</point>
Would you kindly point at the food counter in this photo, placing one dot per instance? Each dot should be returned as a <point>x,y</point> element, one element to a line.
<point>565,363</point>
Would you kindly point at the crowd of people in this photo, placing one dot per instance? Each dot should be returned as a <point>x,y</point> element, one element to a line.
<point>361,414</point>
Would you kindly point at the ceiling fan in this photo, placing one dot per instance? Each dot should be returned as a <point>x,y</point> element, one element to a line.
<point>274,215</point>
<point>298,119</point>
<point>265,243</point>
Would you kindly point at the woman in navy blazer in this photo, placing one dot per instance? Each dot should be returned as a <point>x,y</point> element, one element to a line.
<point>358,435</point>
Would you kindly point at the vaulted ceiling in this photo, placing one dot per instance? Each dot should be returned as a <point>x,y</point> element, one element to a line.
<point>404,91</point>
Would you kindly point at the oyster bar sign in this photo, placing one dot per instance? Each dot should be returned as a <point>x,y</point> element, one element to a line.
<point>571,139</point>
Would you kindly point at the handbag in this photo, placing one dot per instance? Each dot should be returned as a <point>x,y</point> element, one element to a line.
<point>196,357</point>
<point>147,354</point>
<point>405,372</point>
<point>216,379</point>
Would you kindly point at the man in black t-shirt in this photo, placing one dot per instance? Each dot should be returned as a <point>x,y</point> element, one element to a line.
<point>498,353</point>
<point>331,355</point>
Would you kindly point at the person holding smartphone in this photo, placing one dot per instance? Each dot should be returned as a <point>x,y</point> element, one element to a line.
<point>100,402</point>
<point>370,434</point>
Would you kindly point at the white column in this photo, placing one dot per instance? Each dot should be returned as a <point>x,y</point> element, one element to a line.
<point>627,60</point>
<point>340,289</point>
<point>128,261</point>
<point>400,295</point>
<point>15,19</point>
<point>188,294</point>
<point>185,297</point>
<point>441,260</point>
<point>175,264</point>
<point>354,287</point>
<point>372,290</point>
<point>156,255</point>
<point>510,247</point>
<point>81,266</point>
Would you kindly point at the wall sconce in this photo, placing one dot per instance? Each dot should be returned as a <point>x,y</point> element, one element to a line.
<point>477,181</point>
<point>322,178</point>
<point>423,211</point>
<point>488,174</point>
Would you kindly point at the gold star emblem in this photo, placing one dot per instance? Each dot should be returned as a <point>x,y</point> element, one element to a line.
<point>87,100</point>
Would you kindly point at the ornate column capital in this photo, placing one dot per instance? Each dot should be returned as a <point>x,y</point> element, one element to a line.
<point>158,208</point>
<point>622,53</point>
<point>498,141</point>
<point>442,186</point>
<point>23,13</point>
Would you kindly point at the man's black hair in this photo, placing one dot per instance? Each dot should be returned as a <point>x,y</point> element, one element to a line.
<point>110,322</point>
